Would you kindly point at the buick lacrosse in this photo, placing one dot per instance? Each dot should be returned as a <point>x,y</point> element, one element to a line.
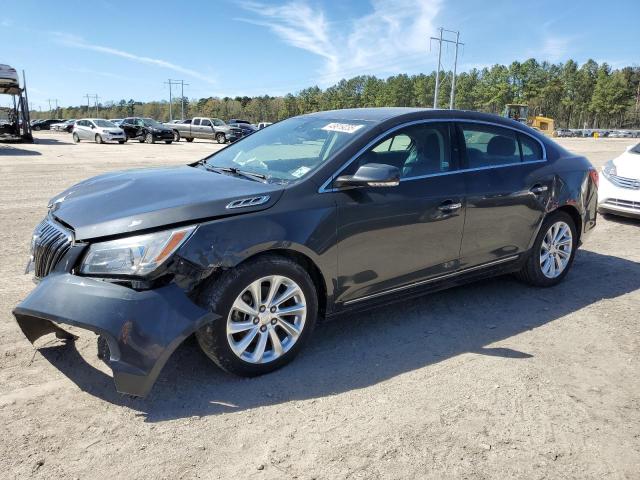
<point>312,217</point>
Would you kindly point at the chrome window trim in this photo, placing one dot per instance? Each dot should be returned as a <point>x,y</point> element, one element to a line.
<point>325,186</point>
<point>431,280</point>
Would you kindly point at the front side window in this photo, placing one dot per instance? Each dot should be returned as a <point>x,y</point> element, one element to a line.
<point>489,146</point>
<point>206,123</point>
<point>290,149</point>
<point>423,149</point>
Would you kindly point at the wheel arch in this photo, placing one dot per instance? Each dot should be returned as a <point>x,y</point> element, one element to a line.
<point>295,255</point>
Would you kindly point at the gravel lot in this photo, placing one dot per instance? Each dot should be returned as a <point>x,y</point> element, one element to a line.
<point>490,380</point>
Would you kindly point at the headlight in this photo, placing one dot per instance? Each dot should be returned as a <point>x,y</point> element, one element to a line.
<point>609,169</point>
<point>137,255</point>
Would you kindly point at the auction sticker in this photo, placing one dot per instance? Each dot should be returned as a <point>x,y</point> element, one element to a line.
<point>342,127</point>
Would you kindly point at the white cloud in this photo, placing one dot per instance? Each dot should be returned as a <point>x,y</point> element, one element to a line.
<point>555,48</point>
<point>74,41</point>
<point>395,35</point>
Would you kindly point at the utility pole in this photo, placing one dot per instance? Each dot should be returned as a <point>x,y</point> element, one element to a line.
<point>182,84</point>
<point>455,70</point>
<point>457,42</point>
<point>94,97</point>
<point>56,102</point>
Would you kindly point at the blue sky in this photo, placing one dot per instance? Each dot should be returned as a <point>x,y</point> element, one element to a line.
<point>128,49</point>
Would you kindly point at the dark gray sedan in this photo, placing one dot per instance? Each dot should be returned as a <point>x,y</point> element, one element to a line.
<point>313,217</point>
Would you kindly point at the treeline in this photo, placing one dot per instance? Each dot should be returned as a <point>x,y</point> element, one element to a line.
<point>592,95</point>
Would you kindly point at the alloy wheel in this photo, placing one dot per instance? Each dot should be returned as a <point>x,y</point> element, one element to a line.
<point>555,250</point>
<point>266,319</point>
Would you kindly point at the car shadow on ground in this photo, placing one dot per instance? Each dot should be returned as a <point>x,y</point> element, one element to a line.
<point>370,347</point>
<point>11,151</point>
<point>52,141</point>
<point>621,220</point>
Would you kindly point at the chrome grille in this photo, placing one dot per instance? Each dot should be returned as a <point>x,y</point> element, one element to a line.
<point>618,202</point>
<point>49,245</point>
<point>625,182</point>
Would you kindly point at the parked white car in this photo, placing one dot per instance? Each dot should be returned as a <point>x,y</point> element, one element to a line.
<point>619,191</point>
<point>97,130</point>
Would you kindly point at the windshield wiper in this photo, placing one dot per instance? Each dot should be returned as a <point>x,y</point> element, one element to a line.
<point>258,177</point>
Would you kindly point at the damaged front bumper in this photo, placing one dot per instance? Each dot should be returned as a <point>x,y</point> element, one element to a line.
<point>141,328</point>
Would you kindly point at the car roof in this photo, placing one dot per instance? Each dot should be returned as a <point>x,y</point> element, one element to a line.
<point>382,114</point>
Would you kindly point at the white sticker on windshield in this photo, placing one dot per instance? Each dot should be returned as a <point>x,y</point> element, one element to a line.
<point>342,127</point>
<point>299,172</point>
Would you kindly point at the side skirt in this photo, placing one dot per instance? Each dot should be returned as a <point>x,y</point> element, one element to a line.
<point>509,265</point>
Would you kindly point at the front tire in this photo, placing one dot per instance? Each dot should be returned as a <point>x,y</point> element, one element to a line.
<point>553,252</point>
<point>168,142</point>
<point>189,140</point>
<point>176,136</point>
<point>149,138</point>
<point>99,139</point>
<point>269,308</point>
<point>220,138</point>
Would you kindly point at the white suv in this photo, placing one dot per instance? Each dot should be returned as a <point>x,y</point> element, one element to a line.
<point>98,130</point>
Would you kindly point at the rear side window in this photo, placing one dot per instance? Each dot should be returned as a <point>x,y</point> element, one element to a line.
<point>530,149</point>
<point>488,146</point>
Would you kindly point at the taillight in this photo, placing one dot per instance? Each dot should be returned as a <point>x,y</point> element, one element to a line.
<point>593,173</point>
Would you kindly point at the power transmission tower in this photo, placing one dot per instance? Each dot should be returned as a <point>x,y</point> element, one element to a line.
<point>95,98</point>
<point>182,84</point>
<point>457,43</point>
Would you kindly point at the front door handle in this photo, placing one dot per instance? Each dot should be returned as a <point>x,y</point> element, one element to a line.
<point>538,189</point>
<point>449,206</point>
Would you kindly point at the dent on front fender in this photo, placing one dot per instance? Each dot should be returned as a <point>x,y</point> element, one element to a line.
<point>142,328</point>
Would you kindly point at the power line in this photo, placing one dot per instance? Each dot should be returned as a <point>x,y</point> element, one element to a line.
<point>95,98</point>
<point>457,42</point>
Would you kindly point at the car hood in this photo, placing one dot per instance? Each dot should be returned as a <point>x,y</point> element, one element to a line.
<point>134,200</point>
<point>628,165</point>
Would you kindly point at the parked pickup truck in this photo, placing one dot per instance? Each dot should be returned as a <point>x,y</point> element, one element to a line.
<point>200,127</point>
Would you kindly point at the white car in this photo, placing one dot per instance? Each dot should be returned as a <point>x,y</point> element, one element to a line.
<point>619,190</point>
<point>97,130</point>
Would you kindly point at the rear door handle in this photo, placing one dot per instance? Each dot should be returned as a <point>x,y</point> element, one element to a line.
<point>538,189</point>
<point>449,206</point>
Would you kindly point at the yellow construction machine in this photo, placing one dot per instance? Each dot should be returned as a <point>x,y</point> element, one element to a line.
<point>520,113</point>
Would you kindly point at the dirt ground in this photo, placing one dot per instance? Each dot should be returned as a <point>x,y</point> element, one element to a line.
<point>491,380</point>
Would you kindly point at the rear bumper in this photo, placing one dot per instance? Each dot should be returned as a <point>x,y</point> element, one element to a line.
<point>141,328</point>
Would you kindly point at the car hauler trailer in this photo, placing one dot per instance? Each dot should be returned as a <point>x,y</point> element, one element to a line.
<point>15,125</point>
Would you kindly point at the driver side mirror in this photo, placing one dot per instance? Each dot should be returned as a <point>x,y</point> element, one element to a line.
<point>93,127</point>
<point>370,175</point>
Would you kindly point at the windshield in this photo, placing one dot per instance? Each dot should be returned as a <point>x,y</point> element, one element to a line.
<point>635,149</point>
<point>150,122</point>
<point>290,149</point>
<point>217,122</point>
<point>104,124</point>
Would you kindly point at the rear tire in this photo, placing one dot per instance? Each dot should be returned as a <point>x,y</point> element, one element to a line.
<point>168,142</point>
<point>189,140</point>
<point>232,287</point>
<point>532,271</point>
<point>76,138</point>
<point>121,142</point>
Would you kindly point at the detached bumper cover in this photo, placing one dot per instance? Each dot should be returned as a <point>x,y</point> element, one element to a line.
<point>142,328</point>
